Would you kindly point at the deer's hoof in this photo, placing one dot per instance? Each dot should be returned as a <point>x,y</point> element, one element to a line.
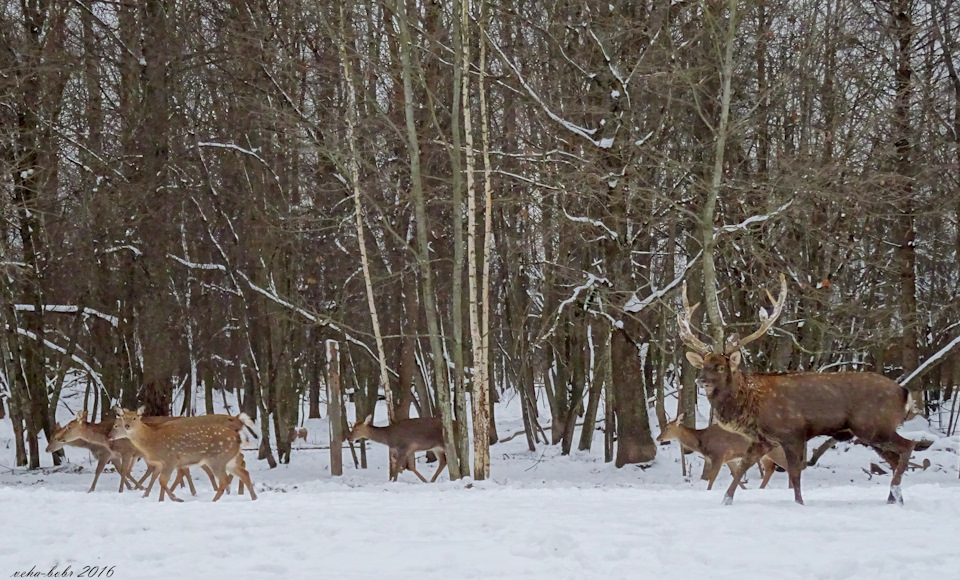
<point>896,496</point>
<point>728,500</point>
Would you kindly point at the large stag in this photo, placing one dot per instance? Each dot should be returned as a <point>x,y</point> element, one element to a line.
<point>791,408</point>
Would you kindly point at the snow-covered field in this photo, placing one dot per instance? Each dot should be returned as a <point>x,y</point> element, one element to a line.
<point>541,516</point>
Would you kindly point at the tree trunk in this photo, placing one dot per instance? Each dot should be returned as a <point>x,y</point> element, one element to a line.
<point>633,425</point>
<point>713,191</point>
<point>596,390</point>
<point>334,405</point>
<point>423,246</point>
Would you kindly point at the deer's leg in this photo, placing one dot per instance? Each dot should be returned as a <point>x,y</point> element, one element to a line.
<point>891,457</point>
<point>244,476</point>
<point>146,474</point>
<point>443,463</point>
<point>903,447</point>
<point>731,465</point>
<point>240,483</point>
<point>213,481</point>
<point>236,467</point>
<point>123,466</point>
<point>793,451</point>
<point>707,468</point>
<point>768,467</point>
<point>224,482</point>
<point>394,467</point>
<point>756,450</point>
<point>183,474</point>
<point>164,480</point>
<point>118,465</point>
<point>126,464</point>
<point>154,471</point>
<point>711,474</point>
<point>409,461</point>
<point>103,460</point>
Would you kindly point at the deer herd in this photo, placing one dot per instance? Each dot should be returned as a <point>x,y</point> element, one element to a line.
<point>166,444</point>
<point>759,417</point>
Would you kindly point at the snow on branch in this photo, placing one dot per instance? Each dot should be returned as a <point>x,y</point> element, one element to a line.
<point>529,180</point>
<point>273,296</point>
<point>634,306</point>
<point>585,220</point>
<point>233,273</point>
<point>196,266</point>
<point>930,361</point>
<point>31,335</point>
<point>136,251</point>
<point>591,282</point>
<point>569,125</point>
<point>755,219</point>
<point>67,309</point>
<point>245,151</point>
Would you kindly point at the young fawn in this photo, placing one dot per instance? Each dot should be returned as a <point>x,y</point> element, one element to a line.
<point>185,442</point>
<point>718,447</point>
<point>93,437</point>
<point>404,438</point>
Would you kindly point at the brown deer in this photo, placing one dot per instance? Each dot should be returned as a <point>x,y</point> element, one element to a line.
<point>93,437</point>
<point>185,442</point>
<point>791,408</point>
<point>718,447</point>
<point>404,438</point>
<point>295,434</point>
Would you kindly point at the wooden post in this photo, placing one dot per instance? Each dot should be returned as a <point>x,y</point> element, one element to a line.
<point>333,408</point>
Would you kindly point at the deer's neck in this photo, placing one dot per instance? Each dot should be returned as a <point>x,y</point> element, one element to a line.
<point>689,438</point>
<point>378,434</point>
<point>143,435</point>
<point>94,436</point>
<point>737,406</point>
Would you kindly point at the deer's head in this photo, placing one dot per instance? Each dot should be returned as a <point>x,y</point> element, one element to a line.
<point>360,429</point>
<point>127,423</point>
<point>720,365</point>
<point>671,430</point>
<point>69,432</point>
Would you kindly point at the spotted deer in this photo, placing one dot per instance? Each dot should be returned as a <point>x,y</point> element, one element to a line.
<point>789,409</point>
<point>238,422</point>
<point>185,442</point>
<point>404,438</point>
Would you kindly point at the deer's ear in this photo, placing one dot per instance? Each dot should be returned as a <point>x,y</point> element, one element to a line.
<point>368,420</point>
<point>680,418</point>
<point>141,410</point>
<point>734,360</point>
<point>695,359</point>
<point>119,410</point>
<point>82,416</point>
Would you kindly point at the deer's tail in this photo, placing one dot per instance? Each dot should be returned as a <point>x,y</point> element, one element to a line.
<point>249,424</point>
<point>910,408</point>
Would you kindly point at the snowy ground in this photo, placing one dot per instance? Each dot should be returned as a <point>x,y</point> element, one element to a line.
<point>541,516</point>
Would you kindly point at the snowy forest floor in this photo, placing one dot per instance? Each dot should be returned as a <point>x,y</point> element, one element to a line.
<point>541,515</point>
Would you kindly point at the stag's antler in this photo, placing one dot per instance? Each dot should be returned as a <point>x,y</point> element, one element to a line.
<point>686,333</point>
<point>766,320</point>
